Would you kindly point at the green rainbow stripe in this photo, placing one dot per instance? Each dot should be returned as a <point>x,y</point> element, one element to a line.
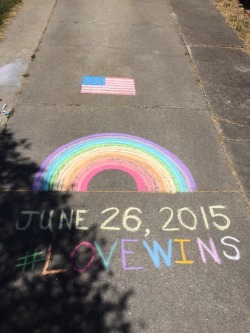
<point>153,168</point>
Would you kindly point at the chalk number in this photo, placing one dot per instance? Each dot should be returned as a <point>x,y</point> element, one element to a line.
<point>130,221</point>
<point>186,214</point>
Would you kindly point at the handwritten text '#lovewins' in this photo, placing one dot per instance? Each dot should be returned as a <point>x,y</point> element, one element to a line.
<point>160,256</point>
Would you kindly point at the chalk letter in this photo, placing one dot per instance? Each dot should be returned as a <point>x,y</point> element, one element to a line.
<point>45,268</point>
<point>183,254</point>
<point>154,254</point>
<point>124,251</point>
<point>237,256</point>
<point>212,250</point>
<point>105,261</point>
<point>68,220</point>
<point>49,225</point>
<point>72,254</point>
<point>30,213</point>
<point>79,219</point>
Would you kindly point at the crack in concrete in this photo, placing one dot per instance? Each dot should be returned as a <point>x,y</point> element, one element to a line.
<point>160,107</point>
<point>129,50</point>
<point>112,23</point>
<point>240,48</point>
<point>229,139</point>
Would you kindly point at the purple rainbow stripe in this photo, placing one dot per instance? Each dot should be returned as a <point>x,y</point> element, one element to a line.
<point>153,168</point>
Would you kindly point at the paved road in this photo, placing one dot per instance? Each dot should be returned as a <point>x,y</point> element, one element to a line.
<point>158,240</point>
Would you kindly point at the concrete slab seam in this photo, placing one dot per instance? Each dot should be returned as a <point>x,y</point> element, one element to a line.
<point>217,126</point>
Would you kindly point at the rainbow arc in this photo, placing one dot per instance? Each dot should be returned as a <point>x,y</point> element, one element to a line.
<point>153,168</point>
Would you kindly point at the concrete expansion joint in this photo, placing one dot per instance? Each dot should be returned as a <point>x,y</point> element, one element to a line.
<point>217,191</point>
<point>160,107</point>
<point>238,139</point>
<point>110,23</point>
<point>230,47</point>
<point>188,53</point>
<point>209,83</point>
<point>223,139</point>
<point>222,85</point>
<point>130,191</point>
<point>229,121</point>
<point>231,165</point>
<point>214,121</point>
<point>137,51</point>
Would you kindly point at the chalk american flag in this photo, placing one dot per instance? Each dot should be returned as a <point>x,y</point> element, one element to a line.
<point>107,85</point>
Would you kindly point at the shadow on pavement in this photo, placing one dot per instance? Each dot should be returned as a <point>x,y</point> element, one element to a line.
<point>43,293</point>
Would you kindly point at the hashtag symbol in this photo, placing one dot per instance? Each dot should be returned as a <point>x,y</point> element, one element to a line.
<point>30,260</point>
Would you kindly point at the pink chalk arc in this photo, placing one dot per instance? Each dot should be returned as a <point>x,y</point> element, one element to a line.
<point>71,167</point>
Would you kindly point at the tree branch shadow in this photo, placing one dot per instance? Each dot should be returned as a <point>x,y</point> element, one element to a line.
<point>66,301</point>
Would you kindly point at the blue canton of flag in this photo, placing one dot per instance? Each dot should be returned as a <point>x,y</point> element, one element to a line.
<point>93,80</point>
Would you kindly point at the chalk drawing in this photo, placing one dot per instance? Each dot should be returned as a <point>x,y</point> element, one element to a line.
<point>29,260</point>
<point>107,85</point>
<point>183,254</point>
<point>125,252</point>
<point>224,217</point>
<point>212,250</point>
<point>153,168</point>
<point>52,271</point>
<point>73,253</point>
<point>79,219</point>
<point>156,253</point>
<point>157,250</point>
<point>180,219</point>
<point>10,73</point>
<point>45,225</point>
<point>164,227</point>
<point>193,217</point>
<point>109,219</point>
<point>106,262</point>
<point>30,214</point>
<point>130,219</point>
<point>223,241</point>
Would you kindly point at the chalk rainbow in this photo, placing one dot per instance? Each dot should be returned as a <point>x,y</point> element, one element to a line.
<point>153,168</point>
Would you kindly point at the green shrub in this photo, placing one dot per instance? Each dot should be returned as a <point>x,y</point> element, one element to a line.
<point>5,8</point>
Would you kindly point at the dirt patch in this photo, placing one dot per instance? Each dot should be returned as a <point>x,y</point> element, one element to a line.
<point>8,10</point>
<point>237,13</point>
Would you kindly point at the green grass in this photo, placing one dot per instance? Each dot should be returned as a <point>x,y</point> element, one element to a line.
<point>5,8</point>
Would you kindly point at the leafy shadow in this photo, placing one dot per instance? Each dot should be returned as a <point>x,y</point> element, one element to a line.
<point>65,301</point>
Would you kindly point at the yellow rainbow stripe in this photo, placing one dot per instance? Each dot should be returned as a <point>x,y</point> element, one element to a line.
<point>153,168</point>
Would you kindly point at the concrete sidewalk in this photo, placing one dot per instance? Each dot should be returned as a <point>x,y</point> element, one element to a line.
<point>157,261</point>
<point>224,71</point>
